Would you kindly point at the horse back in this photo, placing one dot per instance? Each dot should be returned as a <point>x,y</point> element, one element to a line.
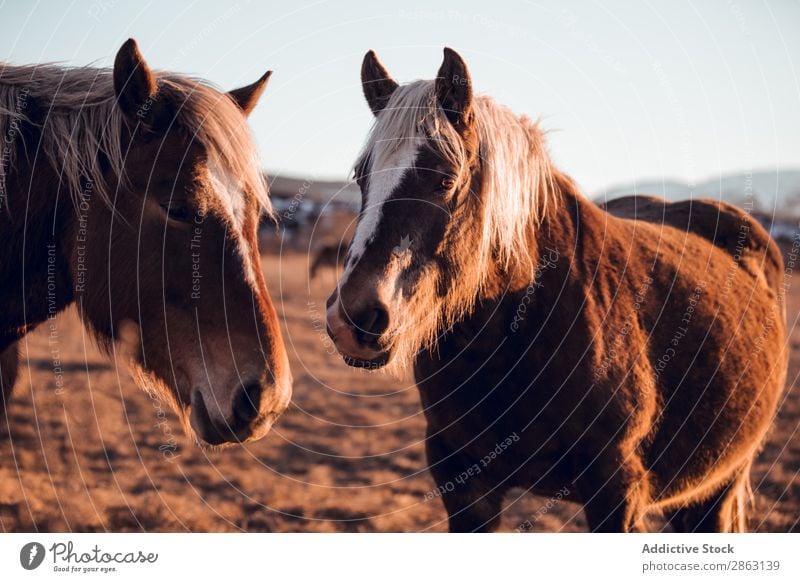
<point>724,225</point>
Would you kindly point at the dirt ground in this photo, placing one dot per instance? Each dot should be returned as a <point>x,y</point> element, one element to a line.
<point>88,451</point>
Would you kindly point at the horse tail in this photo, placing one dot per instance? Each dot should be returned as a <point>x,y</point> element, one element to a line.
<point>745,500</point>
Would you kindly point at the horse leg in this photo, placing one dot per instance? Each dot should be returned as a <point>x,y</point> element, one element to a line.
<point>473,512</point>
<point>470,506</point>
<point>615,497</point>
<point>312,271</point>
<point>723,512</point>
<point>9,363</point>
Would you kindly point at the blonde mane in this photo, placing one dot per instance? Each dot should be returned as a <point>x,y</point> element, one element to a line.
<point>518,178</point>
<point>80,119</point>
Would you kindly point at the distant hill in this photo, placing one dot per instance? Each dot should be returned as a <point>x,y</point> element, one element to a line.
<point>772,191</point>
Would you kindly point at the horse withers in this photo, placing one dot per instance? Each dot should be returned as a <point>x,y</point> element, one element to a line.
<point>136,195</point>
<point>629,358</point>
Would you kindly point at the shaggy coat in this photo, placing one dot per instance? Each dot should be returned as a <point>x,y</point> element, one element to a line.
<point>627,357</point>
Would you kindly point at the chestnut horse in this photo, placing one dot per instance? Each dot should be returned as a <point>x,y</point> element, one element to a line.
<point>136,195</point>
<point>631,355</point>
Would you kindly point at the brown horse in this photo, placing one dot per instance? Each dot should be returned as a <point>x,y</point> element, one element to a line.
<point>627,358</point>
<point>136,196</point>
<point>329,254</point>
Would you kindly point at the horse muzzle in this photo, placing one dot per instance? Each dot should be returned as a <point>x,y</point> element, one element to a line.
<point>250,412</point>
<point>358,337</point>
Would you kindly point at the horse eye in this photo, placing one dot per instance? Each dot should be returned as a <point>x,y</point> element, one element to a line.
<point>448,182</point>
<point>178,211</point>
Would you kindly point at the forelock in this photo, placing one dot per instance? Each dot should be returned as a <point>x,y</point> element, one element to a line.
<point>83,118</point>
<point>215,122</point>
<point>412,115</point>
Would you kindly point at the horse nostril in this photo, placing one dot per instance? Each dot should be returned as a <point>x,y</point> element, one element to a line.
<point>246,402</point>
<point>370,324</point>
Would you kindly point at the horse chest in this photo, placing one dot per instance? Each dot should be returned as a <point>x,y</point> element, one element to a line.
<point>481,384</point>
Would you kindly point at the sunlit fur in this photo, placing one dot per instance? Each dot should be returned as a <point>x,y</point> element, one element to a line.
<point>569,358</point>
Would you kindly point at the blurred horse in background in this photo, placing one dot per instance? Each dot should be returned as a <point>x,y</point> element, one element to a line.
<point>330,255</point>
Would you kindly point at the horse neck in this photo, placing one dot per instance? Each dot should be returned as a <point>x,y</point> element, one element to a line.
<point>553,240</point>
<point>36,243</point>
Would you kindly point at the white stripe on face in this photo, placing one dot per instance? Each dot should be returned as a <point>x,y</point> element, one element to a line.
<point>232,198</point>
<point>230,194</point>
<point>383,181</point>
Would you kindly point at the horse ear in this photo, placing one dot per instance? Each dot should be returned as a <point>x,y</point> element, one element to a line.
<point>454,89</point>
<point>376,83</point>
<point>247,97</point>
<point>136,88</point>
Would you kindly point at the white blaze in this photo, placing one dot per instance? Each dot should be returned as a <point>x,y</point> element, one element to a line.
<point>383,181</point>
<point>384,178</point>
<point>231,195</point>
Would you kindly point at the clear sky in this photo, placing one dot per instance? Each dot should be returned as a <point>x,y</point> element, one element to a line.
<point>627,89</point>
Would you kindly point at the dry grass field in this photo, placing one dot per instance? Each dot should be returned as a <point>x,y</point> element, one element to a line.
<point>88,451</point>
